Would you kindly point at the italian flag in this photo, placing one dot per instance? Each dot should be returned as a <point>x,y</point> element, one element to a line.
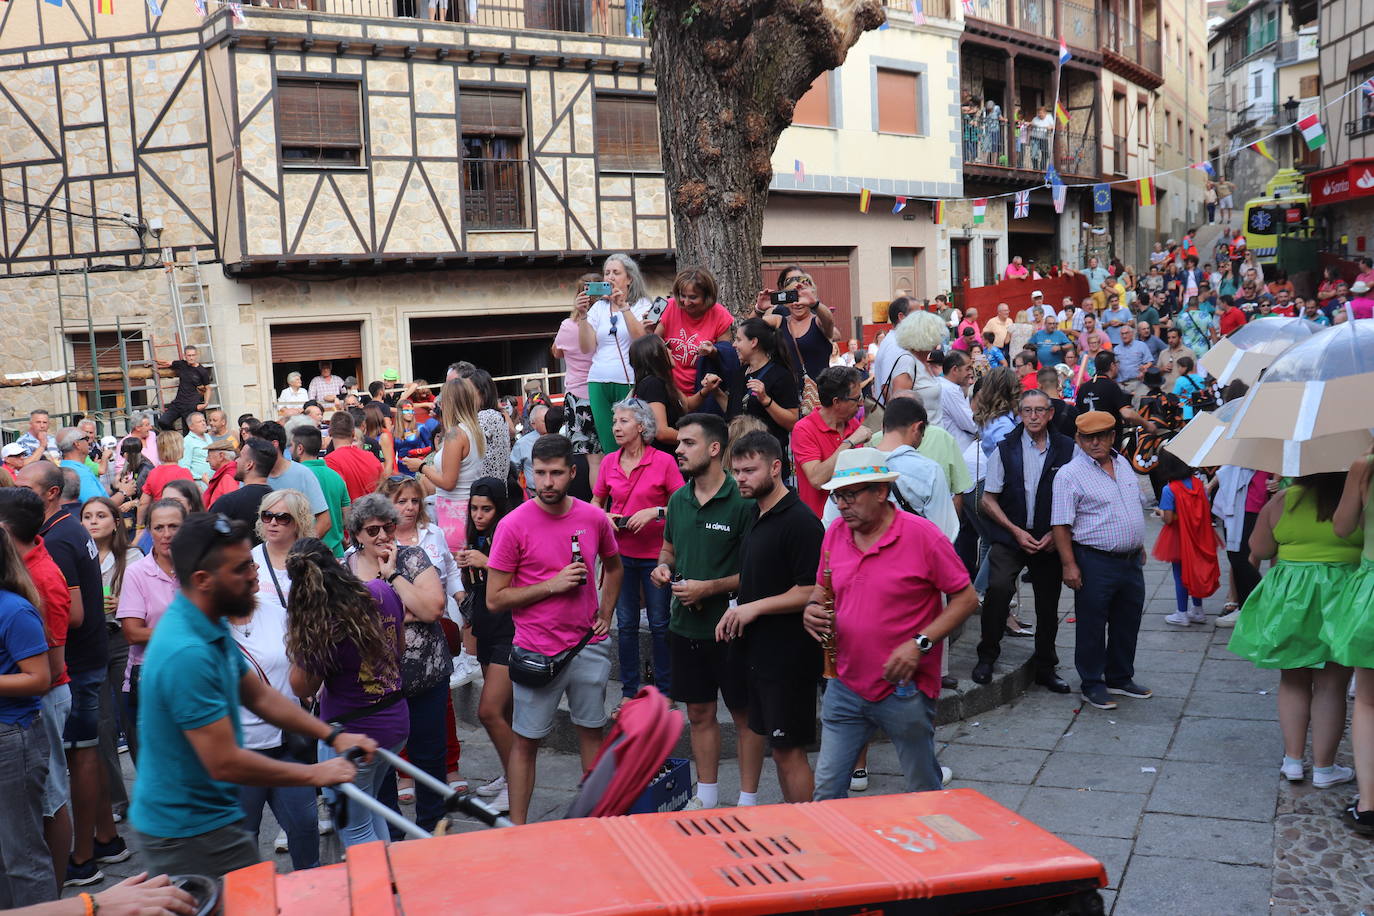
<point>1312,131</point>
<point>980,209</point>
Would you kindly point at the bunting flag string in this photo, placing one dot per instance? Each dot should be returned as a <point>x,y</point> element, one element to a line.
<point>105,7</point>
<point>1060,194</point>
<point>980,209</point>
<point>865,196</point>
<point>1313,134</point>
<point>1102,198</point>
<point>900,205</point>
<point>798,170</point>
<point>1146,189</point>
<point>918,13</point>
<point>937,212</point>
<point>1262,148</point>
<point>1022,205</point>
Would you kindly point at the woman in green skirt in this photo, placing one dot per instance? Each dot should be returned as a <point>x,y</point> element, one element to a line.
<point>1349,631</point>
<point>1280,625</point>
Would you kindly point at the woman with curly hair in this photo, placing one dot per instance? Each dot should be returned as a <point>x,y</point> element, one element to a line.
<point>344,639</point>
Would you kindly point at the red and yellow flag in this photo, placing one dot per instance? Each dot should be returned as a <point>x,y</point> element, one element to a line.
<point>1061,114</point>
<point>938,212</point>
<point>105,7</point>
<point>864,196</point>
<point>1146,187</point>
<point>1262,148</point>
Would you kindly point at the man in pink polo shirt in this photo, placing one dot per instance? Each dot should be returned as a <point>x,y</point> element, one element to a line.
<point>887,570</point>
<point>535,575</point>
<point>823,435</point>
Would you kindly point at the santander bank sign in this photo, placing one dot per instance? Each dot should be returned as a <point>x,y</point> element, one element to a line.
<point>1349,181</point>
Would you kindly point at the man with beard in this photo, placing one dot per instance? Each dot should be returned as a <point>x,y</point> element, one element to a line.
<point>542,572</point>
<point>887,572</point>
<point>706,522</point>
<point>778,563</point>
<point>186,809</point>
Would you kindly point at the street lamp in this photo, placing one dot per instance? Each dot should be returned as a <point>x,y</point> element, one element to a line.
<point>1290,108</point>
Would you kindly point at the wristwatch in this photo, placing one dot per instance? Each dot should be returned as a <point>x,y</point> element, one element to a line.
<point>334,733</point>
<point>923,643</point>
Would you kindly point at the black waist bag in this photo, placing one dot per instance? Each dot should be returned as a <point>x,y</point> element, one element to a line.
<point>529,668</point>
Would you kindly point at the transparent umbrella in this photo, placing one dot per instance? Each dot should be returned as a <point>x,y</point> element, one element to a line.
<point>1246,353</point>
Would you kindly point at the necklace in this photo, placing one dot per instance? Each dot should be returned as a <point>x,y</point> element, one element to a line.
<point>245,628</point>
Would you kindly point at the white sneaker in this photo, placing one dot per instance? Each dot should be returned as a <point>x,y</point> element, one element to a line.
<point>462,671</point>
<point>1197,615</point>
<point>280,843</point>
<point>1292,771</point>
<point>946,774</point>
<point>695,804</point>
<point>1336,777</point>
<point>502,801</point>
<point>493,788</point>
<point>1228,620</point>
<point>858,781</point>
<point>1177,620</point>
<point>326,824</point>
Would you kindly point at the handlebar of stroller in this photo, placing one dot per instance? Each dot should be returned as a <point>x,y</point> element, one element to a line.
<point>464,802</point>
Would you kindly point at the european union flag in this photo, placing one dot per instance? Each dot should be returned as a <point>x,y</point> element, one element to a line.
<point>1052,176</point>
<point>1102,198</point>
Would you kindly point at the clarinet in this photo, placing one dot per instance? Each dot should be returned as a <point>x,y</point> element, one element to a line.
<point>830,669</point>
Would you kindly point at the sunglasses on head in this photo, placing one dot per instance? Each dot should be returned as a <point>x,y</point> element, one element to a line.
<point>222,530</point>
<point>282,518</point>
<point>373,530</point>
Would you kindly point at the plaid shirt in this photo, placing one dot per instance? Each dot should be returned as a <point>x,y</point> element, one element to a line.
<point>1101,512</point>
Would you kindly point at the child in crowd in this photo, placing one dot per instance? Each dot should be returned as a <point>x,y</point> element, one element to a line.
<point>1187,542</point>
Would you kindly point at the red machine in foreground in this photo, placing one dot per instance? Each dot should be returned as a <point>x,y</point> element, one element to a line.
<point>933,852</point>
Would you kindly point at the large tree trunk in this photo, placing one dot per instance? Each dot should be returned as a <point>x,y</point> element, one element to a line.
<point>728,75</point>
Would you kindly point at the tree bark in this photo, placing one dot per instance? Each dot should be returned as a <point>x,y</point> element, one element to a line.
<point>729,73</point>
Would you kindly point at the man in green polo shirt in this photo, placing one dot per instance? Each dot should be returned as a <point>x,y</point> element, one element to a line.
<point>706,522</point>
<point>306,442</point>
<point>186,809</point>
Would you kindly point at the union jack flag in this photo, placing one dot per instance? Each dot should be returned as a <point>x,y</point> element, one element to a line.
<point>1368,87</point>
<point>1022,205</point>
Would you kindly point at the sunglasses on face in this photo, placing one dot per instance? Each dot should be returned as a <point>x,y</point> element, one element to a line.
<point>373,530</point>
<point>798,280</point>
<point>281,518</point>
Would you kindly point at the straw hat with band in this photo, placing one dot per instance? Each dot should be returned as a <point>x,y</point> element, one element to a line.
<point>859,466</point>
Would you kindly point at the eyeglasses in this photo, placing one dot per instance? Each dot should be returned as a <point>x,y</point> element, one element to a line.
<point>855,400</point>
<point>281,518</point>
<point>1036,411</point>
<point>847,497</point>
<point>223,530</point>
<point>373,530</point>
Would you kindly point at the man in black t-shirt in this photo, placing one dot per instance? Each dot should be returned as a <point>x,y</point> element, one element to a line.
<point>1104,394</point>
<point>779,556</point>
<point>193,389</point>
<point>256,459</point>
<point>87,658</point>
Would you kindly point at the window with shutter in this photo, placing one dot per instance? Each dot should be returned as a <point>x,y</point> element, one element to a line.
<point>493,167</point>
<point>1309,87</point>
<point>897,103</point>
<point>319,122</point>
<point>627,134</point>
<point>813,108</point>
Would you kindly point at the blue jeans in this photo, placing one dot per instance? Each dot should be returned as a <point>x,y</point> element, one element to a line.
<point>426,746</point>
<point>627,626</point>
<point>848,722</point>
<point>364,825</point>
<point>1108,608</point>
<point>1181,591</point>
<point>634,18</point>
<point>26,874</point>
<point>294,809</point>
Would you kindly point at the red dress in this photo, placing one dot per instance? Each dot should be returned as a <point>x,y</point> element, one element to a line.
<point>1191,540</point>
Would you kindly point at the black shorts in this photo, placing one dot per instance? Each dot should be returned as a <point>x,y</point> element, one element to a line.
<point>493,633</point>
<point>704,667</point>
<point>783,709</point>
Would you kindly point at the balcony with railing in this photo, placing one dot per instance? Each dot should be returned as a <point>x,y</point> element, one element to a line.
<point>594,17</point>
<point>1047,19</point>
<point>1251,114</point>
<point>494,193</point>
<point>904,10</point>
<point>1360,126</point>
<point>1028,149</point>
<point>1126,43</point>
<point>1078,24</point>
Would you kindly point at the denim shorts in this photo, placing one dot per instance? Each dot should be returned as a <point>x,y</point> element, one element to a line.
<point>55,709</point>
<point>584,680</point>
<point>83,725</point>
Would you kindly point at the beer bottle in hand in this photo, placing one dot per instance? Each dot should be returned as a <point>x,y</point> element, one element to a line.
<point>577,556</point>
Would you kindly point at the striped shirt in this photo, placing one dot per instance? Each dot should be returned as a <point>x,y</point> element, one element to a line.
<point>1101,512</point>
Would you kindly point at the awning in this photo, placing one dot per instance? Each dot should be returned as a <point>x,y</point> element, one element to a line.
<point>1348,181</point>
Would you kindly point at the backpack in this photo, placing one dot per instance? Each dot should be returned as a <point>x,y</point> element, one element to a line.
<point>1203,397</point>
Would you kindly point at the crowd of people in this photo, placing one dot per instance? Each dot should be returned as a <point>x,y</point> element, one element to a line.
<point>801,528</point>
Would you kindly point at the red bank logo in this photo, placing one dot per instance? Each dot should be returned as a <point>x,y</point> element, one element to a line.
<point>1365,181</point>
<point>1331,188</point>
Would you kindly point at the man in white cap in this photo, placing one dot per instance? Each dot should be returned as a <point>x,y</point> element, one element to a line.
<point>12,459</point>
<point>1361,304</point>
<point>885,571</point>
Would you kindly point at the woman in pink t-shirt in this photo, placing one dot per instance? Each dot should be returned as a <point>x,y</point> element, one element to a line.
<point>692,324</point>
<point>576,366</point>
<point>633,487</point>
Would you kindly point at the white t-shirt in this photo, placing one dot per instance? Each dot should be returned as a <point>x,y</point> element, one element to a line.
<point>608,363</point>
<point>432,542</point>
<point>263,644</point>
<point>289,398</point>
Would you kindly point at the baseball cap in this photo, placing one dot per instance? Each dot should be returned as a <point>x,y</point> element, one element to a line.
<point>1037,295</point>
<point>14,449</point>
<point>1095,421</point>
<point>109,442</point>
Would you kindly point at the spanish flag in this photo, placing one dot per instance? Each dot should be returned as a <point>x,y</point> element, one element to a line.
<point>1262,148</point>
<point>938,212</point>
<point>105,7</point>
<point>864,196</point>
<point>1061,114</point>
<point>1146,187</point>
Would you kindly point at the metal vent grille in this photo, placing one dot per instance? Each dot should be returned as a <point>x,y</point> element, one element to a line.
<point>762,874</point>
<point>746,847</point>
<point>712,826</point>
